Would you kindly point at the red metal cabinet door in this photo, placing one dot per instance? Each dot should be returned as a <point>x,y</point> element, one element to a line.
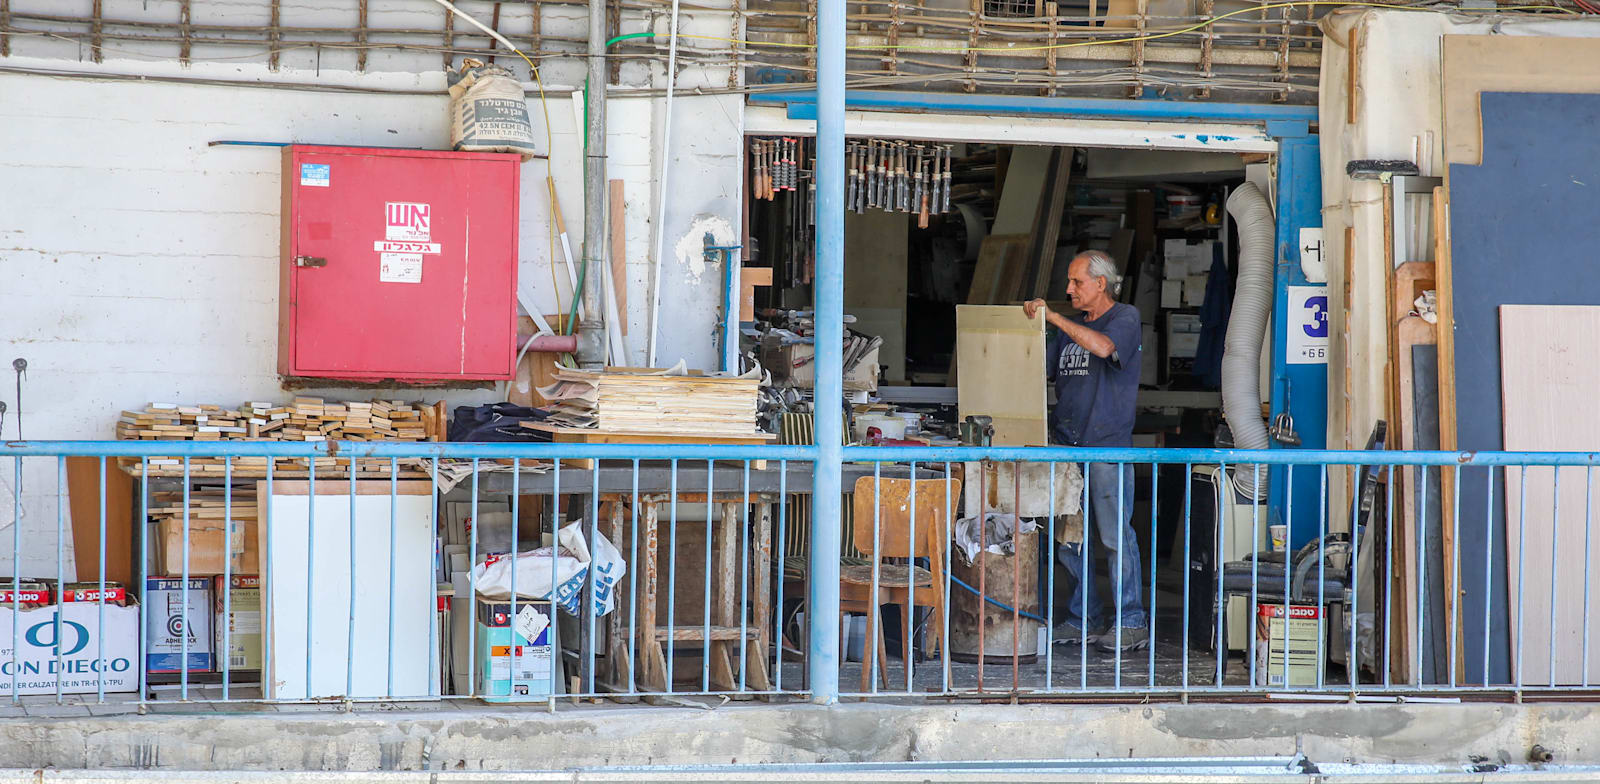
<point>404,264</point>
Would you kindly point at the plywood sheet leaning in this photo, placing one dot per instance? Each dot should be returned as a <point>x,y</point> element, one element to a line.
<point>1000,262</point>
<point>1001,359</point>
<point>1477,64</point>
<point>1548,383</point>
<point>1515,224</point>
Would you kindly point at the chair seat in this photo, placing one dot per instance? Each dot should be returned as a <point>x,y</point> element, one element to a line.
<point>795,566</point>
<point>889,575</point>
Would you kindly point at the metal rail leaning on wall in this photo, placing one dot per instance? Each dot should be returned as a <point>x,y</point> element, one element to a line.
<point>748,602</point>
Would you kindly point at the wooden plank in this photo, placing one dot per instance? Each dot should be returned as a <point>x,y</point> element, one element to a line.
<point>1001,356</point>
<point>84,478</point>
<point>590,436</point>
<point>1548,388</point>
<point>1477,64</point>
<point>724,594</point>
<point>1022,191</point>
<point>619,253</point>
<point>1048,226</point>
<point>1411,331</point>
<point>998,254</point>
<point>698,634</point>
<point>1445,336</point>
<point>652,662</point>
<point>760,580</point>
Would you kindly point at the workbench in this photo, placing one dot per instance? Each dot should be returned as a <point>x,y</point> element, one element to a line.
<point>737,649</point>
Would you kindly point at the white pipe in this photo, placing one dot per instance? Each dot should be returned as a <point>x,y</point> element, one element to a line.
<point>1247,327</point>
<point>661,191</point>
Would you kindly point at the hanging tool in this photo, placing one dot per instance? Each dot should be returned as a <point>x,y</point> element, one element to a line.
<point>944,204</point>
<point>887,200</point>
<point>922,188</point>
<point>852,179</point>
<point>21,366</point>
<point>861,174</point>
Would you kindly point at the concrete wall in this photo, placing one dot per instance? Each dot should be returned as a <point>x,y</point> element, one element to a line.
<point>140,262</point>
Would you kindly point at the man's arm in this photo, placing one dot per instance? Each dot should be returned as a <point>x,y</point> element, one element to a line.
<point>1096,343</point>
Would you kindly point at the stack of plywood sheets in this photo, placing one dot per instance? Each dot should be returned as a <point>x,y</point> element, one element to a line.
<point>661,402</point>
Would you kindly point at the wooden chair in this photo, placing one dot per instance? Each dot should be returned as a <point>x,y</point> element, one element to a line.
<point>899,536</point>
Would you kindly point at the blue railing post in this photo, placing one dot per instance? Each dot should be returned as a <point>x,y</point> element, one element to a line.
<point>823,615</point>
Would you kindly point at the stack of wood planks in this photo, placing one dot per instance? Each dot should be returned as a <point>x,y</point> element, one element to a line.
<point>632,400</point>
<point>208,507</point>
<point>302,419</point>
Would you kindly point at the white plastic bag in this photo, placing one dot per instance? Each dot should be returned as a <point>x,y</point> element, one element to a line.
<point>571,564</point>
<point>488,110</point>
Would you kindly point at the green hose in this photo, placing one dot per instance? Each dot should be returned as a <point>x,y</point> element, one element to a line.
<point>628,37</point>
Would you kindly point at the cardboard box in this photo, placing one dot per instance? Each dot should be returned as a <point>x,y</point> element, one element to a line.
<point>164,599</point>
<point>783,360</point>
<point>206,542</point>
<point>237,623</point>
<point>531,657</point>
<point>83,636</point>
<point>1292,658</point>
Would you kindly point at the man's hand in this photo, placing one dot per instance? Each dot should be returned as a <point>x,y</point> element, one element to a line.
<point>1033,306</point>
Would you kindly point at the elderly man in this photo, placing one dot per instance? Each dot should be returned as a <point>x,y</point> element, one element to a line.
<point>1094,357</point>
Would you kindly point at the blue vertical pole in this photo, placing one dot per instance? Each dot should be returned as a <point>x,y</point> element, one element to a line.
<point>1299,383</point>
<point>730,309</point>
<point>823,657</point>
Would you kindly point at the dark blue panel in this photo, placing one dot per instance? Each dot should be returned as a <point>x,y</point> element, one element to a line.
<point>1525,226</point>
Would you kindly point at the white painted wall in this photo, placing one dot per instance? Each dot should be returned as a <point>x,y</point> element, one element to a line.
<point>139,263</point>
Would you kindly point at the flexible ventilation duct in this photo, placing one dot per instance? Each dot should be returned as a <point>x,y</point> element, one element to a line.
<point>1247,326</point>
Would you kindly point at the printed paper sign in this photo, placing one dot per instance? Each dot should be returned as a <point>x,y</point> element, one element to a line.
<point>1307,343</point>
<point>382,246</point>
<point>531,623</point>
<point>316,175</point>
<point>400,268</point>
<point>407,221</point>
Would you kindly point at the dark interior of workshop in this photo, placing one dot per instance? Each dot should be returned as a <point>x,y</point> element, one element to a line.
<point>947,225</point>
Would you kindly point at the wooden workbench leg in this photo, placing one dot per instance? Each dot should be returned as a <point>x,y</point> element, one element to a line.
<point>725,595</point>
<point>616,636</point>
<point>652,664</point>
<point>761,609</point>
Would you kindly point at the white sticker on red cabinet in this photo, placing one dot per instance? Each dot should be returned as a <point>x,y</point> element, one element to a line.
<point>407,221</point>
<point>386,246</point>
<point>400,268</point>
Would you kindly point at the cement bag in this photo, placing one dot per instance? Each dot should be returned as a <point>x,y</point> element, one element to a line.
<point>488,112</point>
<point>571,565</point>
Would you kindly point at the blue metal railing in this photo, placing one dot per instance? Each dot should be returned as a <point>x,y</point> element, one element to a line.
<point>744,584</point>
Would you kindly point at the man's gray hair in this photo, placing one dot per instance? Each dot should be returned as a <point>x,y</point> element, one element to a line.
<point>1101,265</point>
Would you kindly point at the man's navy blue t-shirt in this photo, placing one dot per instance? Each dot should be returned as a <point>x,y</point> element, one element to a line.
<point>1095,397</point>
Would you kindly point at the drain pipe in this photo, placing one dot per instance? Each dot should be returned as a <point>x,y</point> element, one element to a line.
<point>592,329</point>
<point>661,193</point>
<point>1247,327</point>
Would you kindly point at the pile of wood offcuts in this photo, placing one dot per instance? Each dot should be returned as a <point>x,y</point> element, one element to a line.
<point>303,419</point>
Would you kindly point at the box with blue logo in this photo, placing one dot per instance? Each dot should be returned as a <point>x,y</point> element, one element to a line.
<point>166,599</point>
<point>513,652</point>
<point>80,647</point>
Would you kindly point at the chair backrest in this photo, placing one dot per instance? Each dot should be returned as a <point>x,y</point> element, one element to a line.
<point>891,500</point>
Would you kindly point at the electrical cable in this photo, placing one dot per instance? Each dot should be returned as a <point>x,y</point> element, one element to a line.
<point>997,602</point>
<point>961,49</point>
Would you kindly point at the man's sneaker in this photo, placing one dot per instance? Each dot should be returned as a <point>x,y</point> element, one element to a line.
<point>1068,633</point>
<point>1132,639</point>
